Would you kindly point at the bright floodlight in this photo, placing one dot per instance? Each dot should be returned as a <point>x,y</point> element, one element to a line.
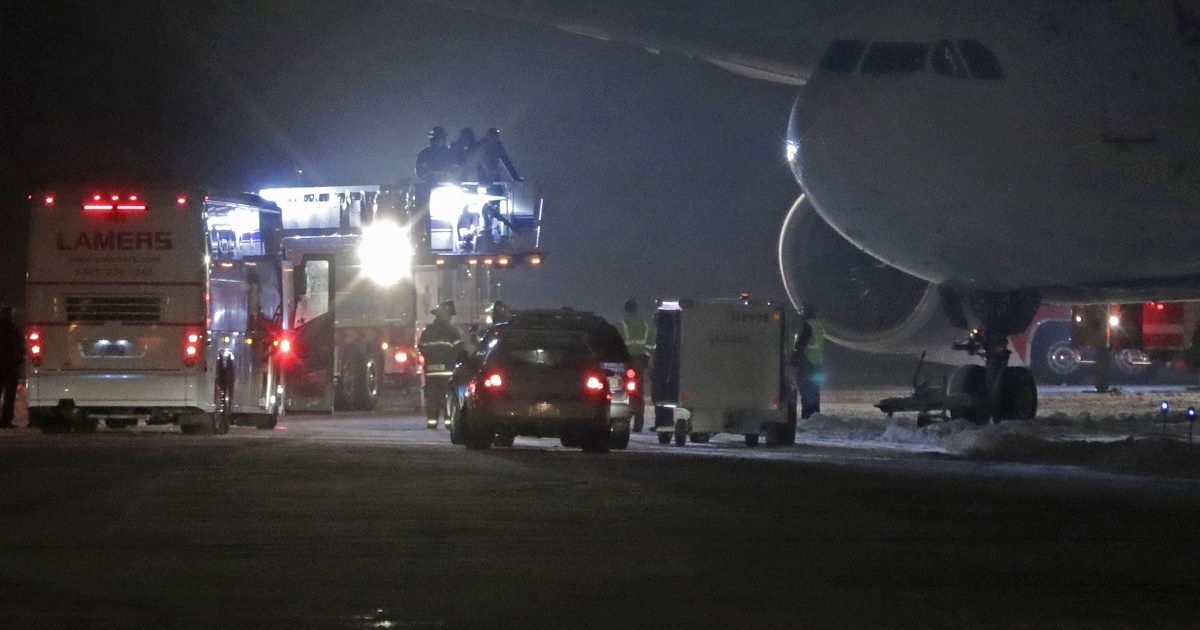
<point>1114,321</point>
<point>385,253</point>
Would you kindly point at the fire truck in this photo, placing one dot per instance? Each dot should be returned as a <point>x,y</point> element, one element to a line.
<point>1128,343</point>
<point>366,264</point>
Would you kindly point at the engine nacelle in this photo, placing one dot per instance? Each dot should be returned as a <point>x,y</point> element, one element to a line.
<point>864,304</point>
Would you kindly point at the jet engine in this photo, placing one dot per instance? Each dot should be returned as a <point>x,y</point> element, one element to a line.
<point>864,303</point>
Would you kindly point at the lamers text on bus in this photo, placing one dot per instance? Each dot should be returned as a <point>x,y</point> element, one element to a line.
<point>116,241</point>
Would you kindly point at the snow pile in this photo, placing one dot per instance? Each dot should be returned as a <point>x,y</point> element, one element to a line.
<point>1107,440</point>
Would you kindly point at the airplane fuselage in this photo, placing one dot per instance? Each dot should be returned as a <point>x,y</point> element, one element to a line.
<point>1052,146</point>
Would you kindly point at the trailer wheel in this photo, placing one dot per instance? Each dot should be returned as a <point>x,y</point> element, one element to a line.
<point>752,439</point>
<point>664,437</point>
<point>620,436</point>
<point>681,431</point>
<point>504,440</point>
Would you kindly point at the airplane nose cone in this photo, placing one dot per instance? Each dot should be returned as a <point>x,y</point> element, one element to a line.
<point>794,133</point>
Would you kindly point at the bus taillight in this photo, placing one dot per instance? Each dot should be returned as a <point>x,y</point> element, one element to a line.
<point>191,348</point>
<point>34,345</point>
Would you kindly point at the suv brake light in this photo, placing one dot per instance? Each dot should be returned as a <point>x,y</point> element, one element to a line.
<point>594,383</point>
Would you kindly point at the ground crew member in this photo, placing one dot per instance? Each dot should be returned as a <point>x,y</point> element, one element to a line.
<point>12,355</point>
<point>808,358</point>
<point>639,339</point>
<point>442,347</point>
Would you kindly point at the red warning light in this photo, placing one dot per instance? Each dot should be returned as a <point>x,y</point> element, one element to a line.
<point>49,201</point>
<point>182,201</point>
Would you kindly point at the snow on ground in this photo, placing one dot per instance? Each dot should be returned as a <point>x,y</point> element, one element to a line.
<point>1121,430</point>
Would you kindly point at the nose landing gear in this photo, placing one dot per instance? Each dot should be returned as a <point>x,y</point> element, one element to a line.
<point>994,390</point>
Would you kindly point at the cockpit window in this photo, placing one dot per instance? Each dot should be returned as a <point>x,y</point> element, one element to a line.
<point>946,61</point>
<point>895,58</point>
<point>842,56</point>
<point>981,60</point>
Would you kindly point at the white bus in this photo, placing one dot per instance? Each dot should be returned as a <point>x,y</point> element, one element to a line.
<point>156,304</point>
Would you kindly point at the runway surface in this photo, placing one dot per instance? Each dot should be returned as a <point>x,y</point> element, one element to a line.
<point>373,521</point>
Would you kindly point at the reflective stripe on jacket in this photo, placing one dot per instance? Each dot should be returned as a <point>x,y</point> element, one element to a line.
<point>638,335</point>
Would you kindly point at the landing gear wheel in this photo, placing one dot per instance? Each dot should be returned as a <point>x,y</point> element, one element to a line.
<point>699,438</point>
<point>681,431</point>
<point>1014,396</point>
<point>664,437</point>
<point>970,381</point>
<point>752,439</point>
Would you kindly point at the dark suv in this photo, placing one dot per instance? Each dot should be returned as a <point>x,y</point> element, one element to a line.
<point>534,382</point>
<point>609,346</point>
<point>603,338</point>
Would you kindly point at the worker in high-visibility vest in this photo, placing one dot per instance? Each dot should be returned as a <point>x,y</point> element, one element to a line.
<point>808,358</point>
<point>638,333</point>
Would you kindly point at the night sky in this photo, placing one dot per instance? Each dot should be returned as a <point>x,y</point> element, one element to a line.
<point>663,176</point>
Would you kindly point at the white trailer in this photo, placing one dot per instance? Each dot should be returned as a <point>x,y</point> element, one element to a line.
<point>155,304</point>
<point>721,366</point>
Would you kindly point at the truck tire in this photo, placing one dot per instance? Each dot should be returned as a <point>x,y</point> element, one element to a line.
<point>369,375</point>
<point>1052,358</point>
<point>1131,367</point>
<point>346,390</point>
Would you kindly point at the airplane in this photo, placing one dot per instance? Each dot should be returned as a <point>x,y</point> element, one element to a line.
<point>961,162</point>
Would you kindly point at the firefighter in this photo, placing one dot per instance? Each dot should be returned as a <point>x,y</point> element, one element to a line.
<point>639,339</point>
<point>12,355</point>
<point>466,153</point>
<point>442,347</point>
<point>491,156</point>
<point>499,312</point>
<point>808,358</point>
<point>435,163</point>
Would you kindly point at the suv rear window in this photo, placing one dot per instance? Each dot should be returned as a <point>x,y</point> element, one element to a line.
<point>549,349</point>
<point>604,338</point>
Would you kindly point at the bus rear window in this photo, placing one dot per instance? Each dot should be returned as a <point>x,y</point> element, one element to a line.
<point>895,58</point>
